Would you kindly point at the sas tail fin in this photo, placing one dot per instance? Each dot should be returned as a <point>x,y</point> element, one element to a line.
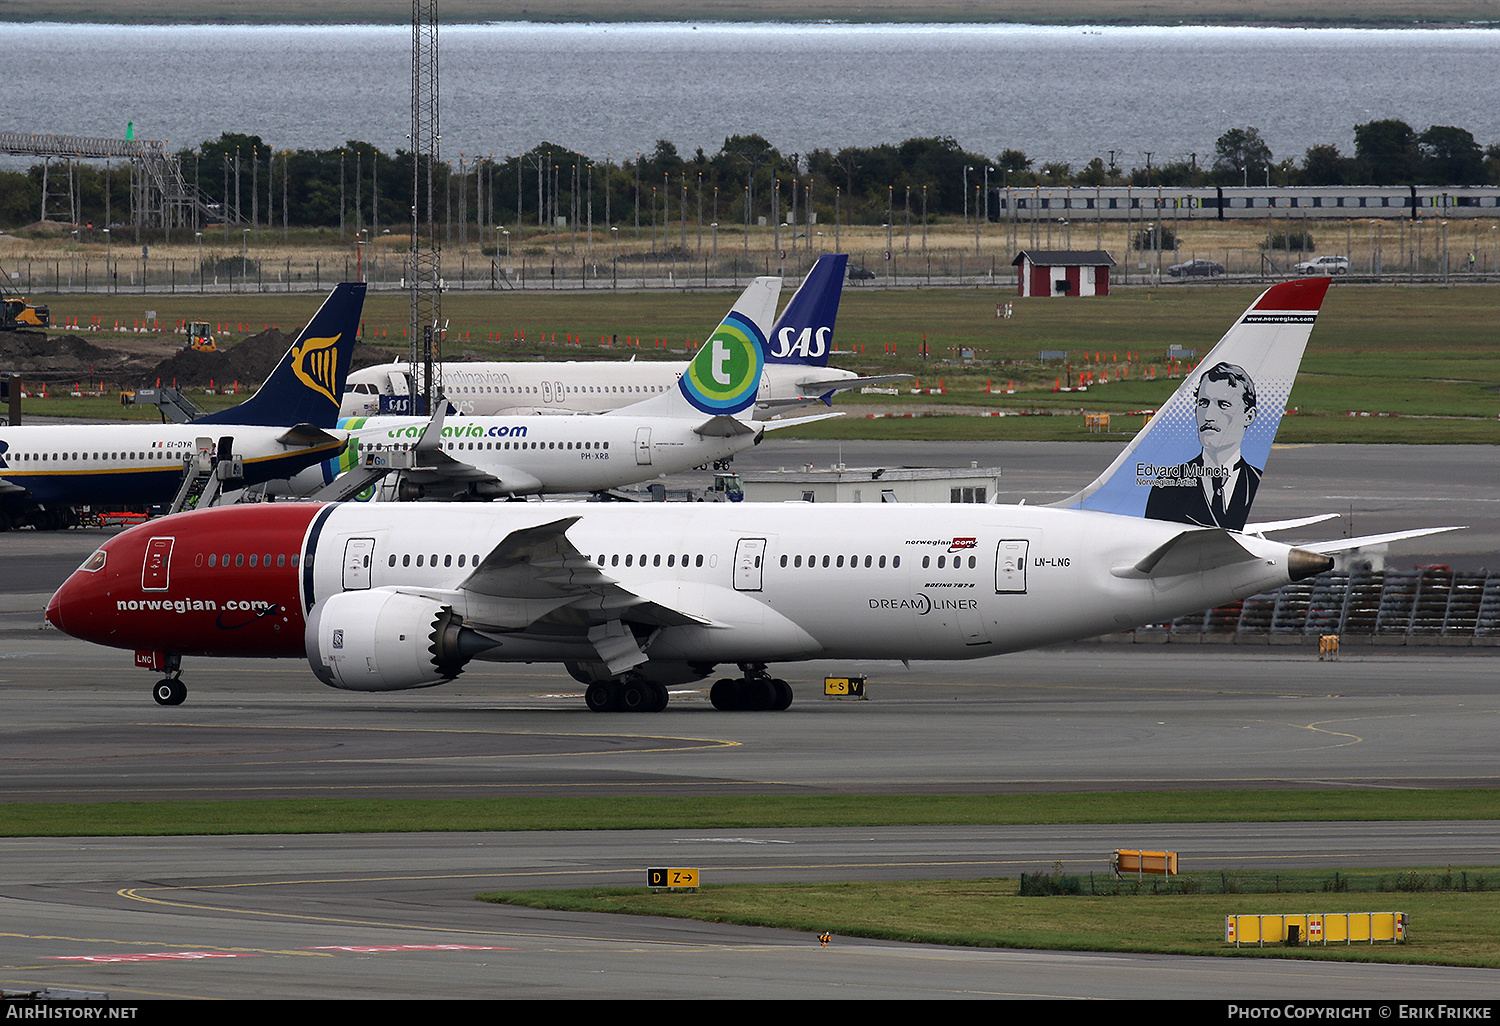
<point>1199,459</point>
<point>307,384</point>
<point>804,331</point>
<point>722,378</point>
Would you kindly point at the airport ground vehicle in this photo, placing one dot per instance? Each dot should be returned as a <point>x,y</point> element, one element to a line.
<point>1323,265</point>
<point>1199,268</point>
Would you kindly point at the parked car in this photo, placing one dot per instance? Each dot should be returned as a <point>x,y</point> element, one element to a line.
<point>1324,265</point>
<point>1196,269</point>
<point>857,273</point>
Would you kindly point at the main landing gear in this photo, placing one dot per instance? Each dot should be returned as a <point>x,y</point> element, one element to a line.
<point>756,691</point>
<point>627,694</point>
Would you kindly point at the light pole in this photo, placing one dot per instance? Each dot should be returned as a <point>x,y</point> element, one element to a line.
<point>200,260</point>
<point>109,251</point>
<point>614,270</point>
<point>244,259</point>
<point>967,169</point>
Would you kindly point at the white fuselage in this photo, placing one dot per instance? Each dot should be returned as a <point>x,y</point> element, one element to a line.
<point>547,455</point>
<point>137,464</point>
<point>492,388</point>
<point>797,581</point>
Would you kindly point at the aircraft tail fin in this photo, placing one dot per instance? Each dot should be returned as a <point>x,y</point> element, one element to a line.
<point>1199,458</point>
<point>724,375</point>
<point>306,386</point>
<point>804,331</point>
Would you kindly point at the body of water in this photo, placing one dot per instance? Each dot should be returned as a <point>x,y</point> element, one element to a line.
<point>1066,94</point>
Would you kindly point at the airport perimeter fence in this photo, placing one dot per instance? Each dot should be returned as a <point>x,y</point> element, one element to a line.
<point>946,271</point>
<point>1427,606</point>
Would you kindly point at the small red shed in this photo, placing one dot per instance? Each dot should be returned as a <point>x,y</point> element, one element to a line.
<point>1063,272</point>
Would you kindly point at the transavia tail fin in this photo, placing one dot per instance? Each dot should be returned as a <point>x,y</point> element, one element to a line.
<point>724,375</point>
<point>306,385</point>
<point>804,331</point>
<point>1199,459</point>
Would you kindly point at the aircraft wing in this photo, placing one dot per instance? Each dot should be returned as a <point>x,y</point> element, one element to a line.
<point>537,574</point>
<point>7,488</point>
<point>439,469</point>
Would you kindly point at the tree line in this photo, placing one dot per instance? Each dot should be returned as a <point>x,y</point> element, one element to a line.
<point>357,187</point>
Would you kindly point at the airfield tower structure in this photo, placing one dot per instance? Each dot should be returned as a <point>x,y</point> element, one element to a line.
<point>424,264</point>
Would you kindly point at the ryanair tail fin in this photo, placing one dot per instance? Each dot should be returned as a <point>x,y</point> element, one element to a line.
<point>1199,459</point>
<point>724,375</point>
<point>306,385</point>
<point>804,331</point>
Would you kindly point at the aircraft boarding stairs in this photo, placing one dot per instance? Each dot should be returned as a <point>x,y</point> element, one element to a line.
<point>209,472</point>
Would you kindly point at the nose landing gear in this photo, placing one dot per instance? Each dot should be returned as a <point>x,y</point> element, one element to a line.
<point>170,690</point>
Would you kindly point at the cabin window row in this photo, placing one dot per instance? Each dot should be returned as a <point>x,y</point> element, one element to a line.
<point>451,446</point>
<point>176,455</point>
<point>241,559</point>
<point>942,561</point>
<point>875,562</point>
<point>423,559</point>
<point>567,389</point>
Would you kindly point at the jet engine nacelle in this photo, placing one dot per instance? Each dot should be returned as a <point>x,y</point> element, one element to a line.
<point>384,640</point>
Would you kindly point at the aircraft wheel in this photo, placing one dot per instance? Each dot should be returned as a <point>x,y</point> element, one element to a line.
<point>602,696</point>
<point>658,697</point>
<point>169,692</point>
<point>759,694</point>
<point>635,696</point>
<point>783,695</point>
<point>725,694</point>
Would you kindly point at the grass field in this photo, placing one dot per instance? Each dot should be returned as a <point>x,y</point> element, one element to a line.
<point>1419,362</point>
<point>1446,927</point>
<point>38,819</point>
<point>457,12</point>
<point>1455,911</point>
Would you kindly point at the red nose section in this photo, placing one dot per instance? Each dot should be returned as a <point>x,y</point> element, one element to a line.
<point>212,582</point>
<point>54,608</point>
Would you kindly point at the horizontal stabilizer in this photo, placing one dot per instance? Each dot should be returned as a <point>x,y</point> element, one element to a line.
<point>724,426</point>
<point>307,436</point>
<point>844,384</point>
<point>1287,525</point>
<point>1190,552</point>
<point>1346,544</point>
<point>777,425</point>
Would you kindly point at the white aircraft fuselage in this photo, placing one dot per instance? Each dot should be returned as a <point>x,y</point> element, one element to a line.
<point>494,389</point>
<point>386,598</point>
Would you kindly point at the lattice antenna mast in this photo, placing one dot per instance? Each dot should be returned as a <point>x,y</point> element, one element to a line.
<point>424,277</point>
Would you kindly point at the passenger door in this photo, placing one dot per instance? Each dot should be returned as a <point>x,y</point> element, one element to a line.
<point>156,570</point>
<point>749,554</point>
<point>1010,567</point>
<point>358,553</point>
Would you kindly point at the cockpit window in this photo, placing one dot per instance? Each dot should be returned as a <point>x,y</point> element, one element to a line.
<point>95,562</point>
